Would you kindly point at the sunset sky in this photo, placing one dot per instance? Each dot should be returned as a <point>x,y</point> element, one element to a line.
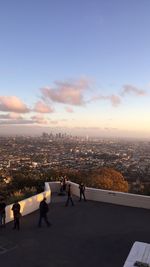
<point>80,66</point>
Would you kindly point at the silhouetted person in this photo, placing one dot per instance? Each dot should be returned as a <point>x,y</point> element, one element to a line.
<point>17,215</point>
<point>2,213</point>
<point>64,183</point>
<point>43,212</point>
<point>69,193</point>
<point>61,186</point>
<point>82,191</point>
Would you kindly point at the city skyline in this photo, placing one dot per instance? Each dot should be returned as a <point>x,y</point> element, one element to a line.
<point>76,66</point>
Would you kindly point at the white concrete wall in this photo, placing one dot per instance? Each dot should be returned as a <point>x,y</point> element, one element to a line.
<point>55,187</point>
<point>118,198</point>
<point>30,204</point>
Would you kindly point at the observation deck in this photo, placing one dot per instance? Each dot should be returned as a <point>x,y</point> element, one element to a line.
<point>88,234</point>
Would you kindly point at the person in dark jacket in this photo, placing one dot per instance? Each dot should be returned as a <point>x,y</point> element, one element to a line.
<point>82,191</point>
<point>2,213</point>
<point>69,193</point>
<point>17,215</point>
<point>43,212</point>
<point>64,183</point>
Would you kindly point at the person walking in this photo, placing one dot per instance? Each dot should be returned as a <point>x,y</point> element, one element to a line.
<point>82,191</point>
<point>16,214</point>
<point>64,183</point>
<point>69,193</point>
<point>2,213</point>
<point>43,212</point>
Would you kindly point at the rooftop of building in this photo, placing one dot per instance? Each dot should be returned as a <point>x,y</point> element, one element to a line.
<point>88,234</point>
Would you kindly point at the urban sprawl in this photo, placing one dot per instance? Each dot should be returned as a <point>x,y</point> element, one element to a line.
<point>56,151</point>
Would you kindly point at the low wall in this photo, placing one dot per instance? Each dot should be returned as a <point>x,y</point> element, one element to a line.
<point>119,198</point>
<point>55,187</point>
<point>30,204</point>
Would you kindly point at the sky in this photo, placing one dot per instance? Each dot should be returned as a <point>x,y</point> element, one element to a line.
<point>78,66</point>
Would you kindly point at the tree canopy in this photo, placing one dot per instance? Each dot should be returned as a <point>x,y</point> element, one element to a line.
<point>109,179</point>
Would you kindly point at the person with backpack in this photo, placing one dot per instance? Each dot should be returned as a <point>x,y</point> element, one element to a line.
<point>43,212</point>
<point>69,198</point>
<point>16,213</point>
<point>2,213</point>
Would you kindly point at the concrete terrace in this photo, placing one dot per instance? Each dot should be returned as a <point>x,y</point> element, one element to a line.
<point>88,234</point>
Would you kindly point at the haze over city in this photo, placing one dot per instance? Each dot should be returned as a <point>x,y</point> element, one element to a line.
<point>75,66</point>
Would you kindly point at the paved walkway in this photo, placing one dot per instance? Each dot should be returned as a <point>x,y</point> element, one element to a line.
<point>89,234</point>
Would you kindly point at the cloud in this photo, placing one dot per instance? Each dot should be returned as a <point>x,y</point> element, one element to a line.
<point>37,119</point>
<point>10,116</point>
<point>69,109</point>
<point>114,99</point>
<point>31,121</point>
<point>41,107</point>
<point>127,89</point>
<point>70,92</point>
<point>16,121</point>
<point>12,103</point>
<point>40,119</point>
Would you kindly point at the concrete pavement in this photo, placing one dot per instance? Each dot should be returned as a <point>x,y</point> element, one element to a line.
<point>88,234</point>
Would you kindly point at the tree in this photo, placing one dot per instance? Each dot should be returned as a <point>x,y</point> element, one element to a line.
<point>109,179</point>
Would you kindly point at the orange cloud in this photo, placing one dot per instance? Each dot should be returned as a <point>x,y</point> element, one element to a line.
<point>67,92</point>
<point>12,103</point>
<point>69,109</point>
<point>10,116</point>
<point>15,122</point>
<point>114,99</point>
<point>8,119</point>
<point>39,119</point>
<point>43,108</point>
